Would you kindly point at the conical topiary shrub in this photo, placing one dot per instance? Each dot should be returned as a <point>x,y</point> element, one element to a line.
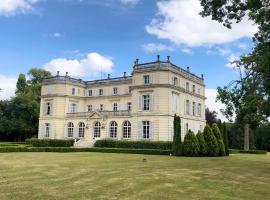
<point>225,138</point>
<point>202,144</point>
<point>220,142</point>
<point>211,142</point>
<point>191,145</point>
<point>177,143</point>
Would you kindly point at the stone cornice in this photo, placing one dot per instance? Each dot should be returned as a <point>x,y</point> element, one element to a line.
<point>85,97</point>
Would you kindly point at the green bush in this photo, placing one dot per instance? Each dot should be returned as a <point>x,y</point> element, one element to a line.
<point>202,144</point>
<point>94,149</point>
<point>234,151</point>
<point>49,142</point>
<point>191,145</point>
<point>220,142</point>
<point>177,143</point>
<point>163,145</point>
<point>211,142</point>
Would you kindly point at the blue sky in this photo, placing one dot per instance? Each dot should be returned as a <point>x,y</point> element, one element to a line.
<point>85,37</point>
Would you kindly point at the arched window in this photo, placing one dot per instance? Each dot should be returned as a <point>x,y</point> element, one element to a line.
<point>47,130</point>
<point>70,129</point>
<point>97,126</point>
<point>126,129</point>
<point>113,129</point>
<point>81,129</point>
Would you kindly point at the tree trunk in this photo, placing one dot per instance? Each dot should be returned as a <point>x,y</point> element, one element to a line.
<point>246,137</point>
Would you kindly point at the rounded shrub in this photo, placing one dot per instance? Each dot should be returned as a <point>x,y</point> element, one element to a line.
<point>220,142</point>
<point>191,145</point>
<point>202,144</point>
<point>212,148</point>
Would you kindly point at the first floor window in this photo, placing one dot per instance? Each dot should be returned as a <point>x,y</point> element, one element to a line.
<point>81,129</point>
<point>193,88</point>
<point>73,108</point>
<point>187,86</point>
<point>48,108</point>
<point>101,107</point>
<point>90,93</point>
<point>89,108</point>
<point>146,79</point>
<point>126,129</point>
<point>115,91</point>
<point>175,81</point>
<point>146,102</point>
<point>129,106</point>
<point>199,110</point>
<point>115,107</point>
<point>194,108</point>
<point>146,129</point>
<point>97,127</point>
<point>70,129</point>
<point>187,107</point>
<point>47,130</point>
<point>100,92</point>
<point>113,129</point>
<point>73,91</point>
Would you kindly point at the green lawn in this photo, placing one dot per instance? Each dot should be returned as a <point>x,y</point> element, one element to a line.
<point>126,176</point>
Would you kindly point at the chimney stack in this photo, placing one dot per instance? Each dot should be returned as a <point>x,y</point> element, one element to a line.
<point>109,76</point>
<point>187,69</point>
<point>202,76</point>
<point>158,56</point>
<point>125,74</point>
<point>168,59</point>
<point>66,74</point>
<point>57,73</point>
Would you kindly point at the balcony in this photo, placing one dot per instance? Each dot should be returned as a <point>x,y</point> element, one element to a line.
<point>121,113</point>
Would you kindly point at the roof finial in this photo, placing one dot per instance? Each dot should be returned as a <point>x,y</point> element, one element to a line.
<point>158,56</point>
<point>187,68</point>
<point>168,59</point>
<point>109,76</point>
<point>202,76</point>
<point>57,74</point>
<point>66,74</point>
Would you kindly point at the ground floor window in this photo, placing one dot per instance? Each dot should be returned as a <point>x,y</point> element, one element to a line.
<point>47,130</point>
<point>70,129</point>
<point>126,129</point>
<point>97,129</point>
<point>81,129</point>
<point>146,129</point>
<point>113,129</point>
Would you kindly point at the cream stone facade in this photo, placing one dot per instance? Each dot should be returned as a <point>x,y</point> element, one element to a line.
<point>136,107</point>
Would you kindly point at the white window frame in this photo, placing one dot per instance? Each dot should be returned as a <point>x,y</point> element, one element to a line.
<point>81,130</point>
<point>126,129</point>
<point>73,108</point>
<point>199,109</point>
<point>115,91</point>
<point>48,108</point>
<point>89,108</point>
<point>90,93</point>
<point>146,102</point>
<point>101,107</point>
<point>70,129</point>
<point>187,86</point>
<point>47,132</point>
<point>73,91</point>
<point>113,129</point>
<point>146,79</point>
<point>187,106</point>
<point>100,92</point>
<point>194,108</point>
<point>175,81</point>
<point>146,129</point>
<point>193,88</point>
<point>129,106</point>
<point>115,107</point>
<point>97,128</point>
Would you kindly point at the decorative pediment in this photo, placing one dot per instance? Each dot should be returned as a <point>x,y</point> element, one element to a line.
<point>97,115</point>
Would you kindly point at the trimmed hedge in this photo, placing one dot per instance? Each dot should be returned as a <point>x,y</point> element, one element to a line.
<point>233,151</point>
<point>93,149</point>
<point>191,145</point>
<point>49,142</point>
<point>162,145</point>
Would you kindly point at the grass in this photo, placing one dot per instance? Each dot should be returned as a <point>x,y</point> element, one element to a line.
<point>13,144</point>
<point>126,176</point>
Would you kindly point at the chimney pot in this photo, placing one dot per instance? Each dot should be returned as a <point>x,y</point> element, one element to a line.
<point>57,73</point>
<point>158,56</point>
<point>109,76</point>
<point>125,74</point>
<point>202,76</point>
<point>66,73</point>
<point>168,58</point>
<point>188,69</point>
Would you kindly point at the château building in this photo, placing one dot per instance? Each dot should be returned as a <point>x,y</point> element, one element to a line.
<point>136,107</point>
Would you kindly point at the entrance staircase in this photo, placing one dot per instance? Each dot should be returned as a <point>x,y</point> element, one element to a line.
<point>83,143</point>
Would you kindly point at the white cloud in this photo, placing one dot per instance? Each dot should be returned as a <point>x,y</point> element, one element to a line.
<point>129,2</point>
<point>187,51</point>
<point>56,35</point>
<point>231,59</point>
<point>223,51</point>
<point>156,48</point>
<point>12,7</point>
<point>8,86</point>
<point>179,22</point>
<point>211,103</point>
<point>243,46</point>
<point>92,65</point>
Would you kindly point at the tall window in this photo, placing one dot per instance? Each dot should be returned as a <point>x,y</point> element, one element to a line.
<point>193,108</point>
<point>175,81</point>
<point>47,130</point>
<point>100,92</point>
<point>126,129</point>
<point>73,91</point>
<point>199,110</point>
<point>129,106</point>
<point>97,127</point>
<point>146,79</point>
<point>146,102</point>
<point>187,107</point>
<point>113,129</point>
<point>81,129</point>
<point>193,88</point>
<point>146,129</point>
<point>73,108</point>
<point>186,128</point>
<point>187,86</point>
<point>115,107</point>
<point>115,91</point>
<point>48,108</point>
<point>90,93</point>
<point>70,129</point>
<point>199,91</point>
<point>89,108</point>
<point>101,107</point>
